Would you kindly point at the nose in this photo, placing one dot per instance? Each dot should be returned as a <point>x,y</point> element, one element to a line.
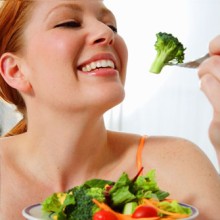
<point>101,34</point>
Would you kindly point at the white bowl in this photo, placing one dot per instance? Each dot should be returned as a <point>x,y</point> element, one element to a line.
<point>34,212</point>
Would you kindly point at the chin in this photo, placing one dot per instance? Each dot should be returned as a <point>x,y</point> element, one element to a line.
<point>114,98</point>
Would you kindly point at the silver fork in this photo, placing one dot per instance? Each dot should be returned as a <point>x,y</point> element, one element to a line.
<point>192,64</point>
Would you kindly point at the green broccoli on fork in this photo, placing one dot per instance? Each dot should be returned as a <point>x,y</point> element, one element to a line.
<point>169,51</point>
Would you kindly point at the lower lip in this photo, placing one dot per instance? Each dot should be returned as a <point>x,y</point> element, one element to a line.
<point>105,72</point>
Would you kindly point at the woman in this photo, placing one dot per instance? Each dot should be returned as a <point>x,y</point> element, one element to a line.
<point>210,83</point>
<point>63,65</point>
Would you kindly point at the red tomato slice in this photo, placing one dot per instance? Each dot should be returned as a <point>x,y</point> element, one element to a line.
<point>104,215</point>
<point>144,212</point>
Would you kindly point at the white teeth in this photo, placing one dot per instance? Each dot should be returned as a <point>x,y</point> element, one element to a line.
<point>104,63</point>
<point>111,64</point>
<point>98,64</point>
<point>93,65</point>
<point>88,67</point>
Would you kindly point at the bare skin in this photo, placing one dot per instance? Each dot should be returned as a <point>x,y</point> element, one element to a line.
<point>30,184</point>
<point>66,141</point>
<point>210,84</point>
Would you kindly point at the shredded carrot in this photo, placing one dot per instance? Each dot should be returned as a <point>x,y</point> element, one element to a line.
<point>154,203</point>
<point>139,153</point>
<point>120,216</point>
<point>150,202</point>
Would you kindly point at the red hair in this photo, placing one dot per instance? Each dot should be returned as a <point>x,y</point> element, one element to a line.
<point>14,15</point>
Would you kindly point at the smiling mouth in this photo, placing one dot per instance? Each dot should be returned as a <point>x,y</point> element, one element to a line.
<point>97,65</point>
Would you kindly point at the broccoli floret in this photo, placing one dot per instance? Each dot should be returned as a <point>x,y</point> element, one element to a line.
<point>84,205</point>
<point>76,204</point>
<point>84,208</point>
<point>169,51</point>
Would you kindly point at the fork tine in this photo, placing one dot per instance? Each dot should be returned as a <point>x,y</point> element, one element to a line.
<point>194,63</point>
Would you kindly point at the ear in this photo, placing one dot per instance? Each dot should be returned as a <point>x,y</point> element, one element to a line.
<point>12,74</point>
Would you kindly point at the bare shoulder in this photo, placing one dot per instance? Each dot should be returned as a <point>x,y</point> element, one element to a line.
<point>185,171</point>
<point>179,155</point>
<point>171,148</point>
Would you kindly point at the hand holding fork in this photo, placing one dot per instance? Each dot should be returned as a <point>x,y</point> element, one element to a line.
<point>209,74</point>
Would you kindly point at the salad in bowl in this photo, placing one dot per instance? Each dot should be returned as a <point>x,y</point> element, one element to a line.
<point>125,199</point>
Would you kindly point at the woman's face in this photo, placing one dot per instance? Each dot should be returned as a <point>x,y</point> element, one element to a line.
<point>73,56</point>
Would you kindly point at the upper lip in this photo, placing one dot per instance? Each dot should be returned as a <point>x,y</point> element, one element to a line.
<point>100,56</point>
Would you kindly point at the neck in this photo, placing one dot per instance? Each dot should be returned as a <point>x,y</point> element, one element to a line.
<point>67,145</point>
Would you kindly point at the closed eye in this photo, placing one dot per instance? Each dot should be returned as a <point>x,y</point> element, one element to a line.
<point>114,29</point>
<point>68,24</point>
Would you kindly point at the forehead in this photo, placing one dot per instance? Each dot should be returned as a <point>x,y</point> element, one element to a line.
<point>49,6</point>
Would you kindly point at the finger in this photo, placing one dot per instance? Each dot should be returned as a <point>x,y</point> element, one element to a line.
<point>212,66</point>
<point>214,46</point>
<point>211,87</point>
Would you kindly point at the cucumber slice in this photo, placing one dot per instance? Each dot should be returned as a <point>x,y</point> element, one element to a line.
<point>129,208</point>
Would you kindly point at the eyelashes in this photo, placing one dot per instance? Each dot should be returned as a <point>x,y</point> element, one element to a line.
<point>75,24</point>
<point>114,29</point>
<point>68,24</point>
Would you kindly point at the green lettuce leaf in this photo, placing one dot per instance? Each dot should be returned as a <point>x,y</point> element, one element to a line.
<point>175,207</point>
<point>146,187</point>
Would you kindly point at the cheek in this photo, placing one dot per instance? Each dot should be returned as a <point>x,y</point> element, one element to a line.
<point>56,51</point>
<point>122,52</point>
<point>52,48</point>
<point>50,65</point>
<point>51,53</point>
